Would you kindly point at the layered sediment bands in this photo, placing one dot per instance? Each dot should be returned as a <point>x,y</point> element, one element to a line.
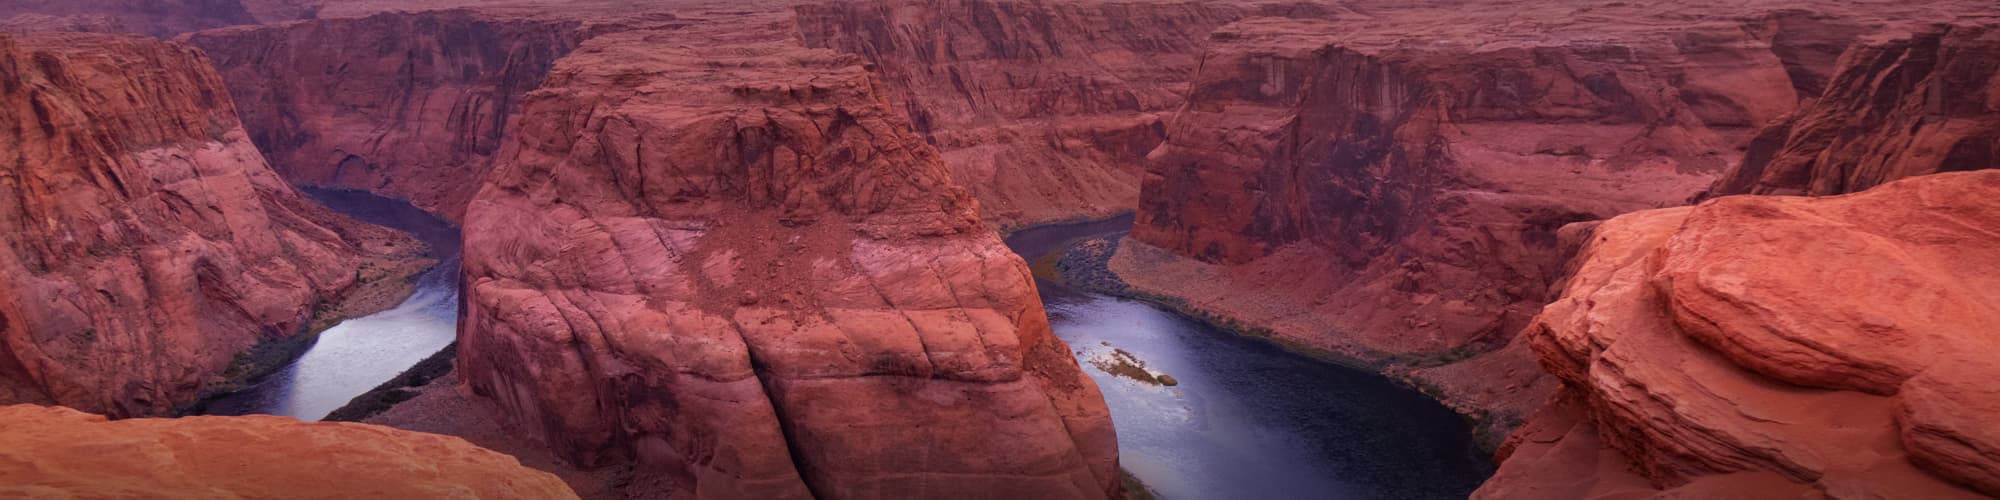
<point>147,241</point>
<point>1833,344</point>
<point>1043,110</point>
<point>1900,106</point>
<point>53,452</point>
<point>726,256</point>
<point>160,18</point>
<point>410,106</point>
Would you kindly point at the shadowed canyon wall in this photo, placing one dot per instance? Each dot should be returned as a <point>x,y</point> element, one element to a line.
<point>1044,110</point>
<point>1906,105</point>
<point>410,106</point>
<point>148,243</point>
<point>726,256</point>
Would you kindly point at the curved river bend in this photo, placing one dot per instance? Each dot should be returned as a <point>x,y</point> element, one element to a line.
<point>1248,418</point>
<point>360,353</point>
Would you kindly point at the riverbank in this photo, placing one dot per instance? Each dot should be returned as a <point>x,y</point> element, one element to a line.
<point>1462,379</point>
<point>386,277</point>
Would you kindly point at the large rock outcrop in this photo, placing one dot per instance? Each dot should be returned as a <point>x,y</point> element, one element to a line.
<point>1397,200</point>
<point>405,105</point>
<point>1043,110</point>
<point>727,257</point>
<point>147,242</point>
<point>54,452</point>
<point>1843,345</point>
<point>1901,106</point>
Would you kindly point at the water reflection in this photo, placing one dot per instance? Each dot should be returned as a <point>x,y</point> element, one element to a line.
<point>360,353</point>
<point>1249,419</point>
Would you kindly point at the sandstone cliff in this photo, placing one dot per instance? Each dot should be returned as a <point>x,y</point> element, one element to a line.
<point>725,256</point>
<point>1397,201</point>
<point>1781,345</point>
<point>1900,106</point>
<point>1043,110</point>
<point>160,18</point>
<point>148,244</point>
<point>54,452</point>
<point>411,106</point>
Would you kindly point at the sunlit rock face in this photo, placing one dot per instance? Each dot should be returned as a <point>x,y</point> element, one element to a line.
<point>1780,344</point>
<point>725,256</point>
<point>148,243</point>
<point>59,452</point>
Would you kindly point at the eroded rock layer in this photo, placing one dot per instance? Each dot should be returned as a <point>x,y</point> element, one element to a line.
<point>726,256</point>
<point>406,105</point>
<point>54,452</point>
<point>1043,110</point>
<point>1397,200</point>
<point>1841,345</point>
<point>1901,106</point>
<point>148,243</point>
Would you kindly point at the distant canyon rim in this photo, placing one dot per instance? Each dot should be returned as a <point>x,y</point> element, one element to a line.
<point>754,249</point>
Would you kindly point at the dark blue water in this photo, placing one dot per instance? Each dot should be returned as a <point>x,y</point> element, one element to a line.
<point>1249,419</point>
<point>360,353</point>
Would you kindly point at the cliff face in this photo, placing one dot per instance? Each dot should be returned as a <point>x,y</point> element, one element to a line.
<point>1043,110</point>
<point>159,18</point>
<point>411,106</point>
<point>58,451</point>
<point>1839,345</point>
<point>147,241</point>
<point>725,256</point>
<point>1900,106</point>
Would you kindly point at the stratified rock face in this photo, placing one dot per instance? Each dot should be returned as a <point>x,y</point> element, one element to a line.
<point>160,18</point>
<point>1900,106</point>
<point>726,256</point>
<point>1414,189</point>
<point>147,241</point>
<point>411,106</point>
<point>54,452</point>
<point>1043,110</point>
<point>1840,344</point>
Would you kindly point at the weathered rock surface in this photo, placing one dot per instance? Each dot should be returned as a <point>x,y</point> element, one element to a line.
<point>1350,187</point>
<point>147,241</point>
<point>54,452</point>
<point>160,18</point>
<point>1900,106</point>
<point>1043,110</point>
<point>406,105</point>
<point>1842,345</point>
<point>724,255</point>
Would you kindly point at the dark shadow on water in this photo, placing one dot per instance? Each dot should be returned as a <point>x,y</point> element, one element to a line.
<point>1248,418</point>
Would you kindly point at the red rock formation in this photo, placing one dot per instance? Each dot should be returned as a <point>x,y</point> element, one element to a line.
<point>1900,106</point>
<point>147,241</point>
<point>410,106</point>
<point>1840,345</point>
<point>725,255</point>
<point>160,18</point>
<point>1044,110</point>
<point>1353,188</point>
<point>53,452</point>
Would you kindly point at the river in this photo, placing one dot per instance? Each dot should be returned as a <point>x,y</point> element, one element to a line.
<point>1250,419</point>
<point>358,354</point>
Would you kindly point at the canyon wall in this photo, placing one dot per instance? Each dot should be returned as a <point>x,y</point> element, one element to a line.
<point>405,105</point>
<point>54,452</point>
<point>1349,187</point>
<point>1043,110</point>
<point>1900,106</point>
<point>727,257</point>
<point>1787,346</point>
<point>148,242</point>
<point>159,18</point>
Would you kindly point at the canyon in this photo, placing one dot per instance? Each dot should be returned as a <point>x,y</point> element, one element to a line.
<point>754,249</point>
